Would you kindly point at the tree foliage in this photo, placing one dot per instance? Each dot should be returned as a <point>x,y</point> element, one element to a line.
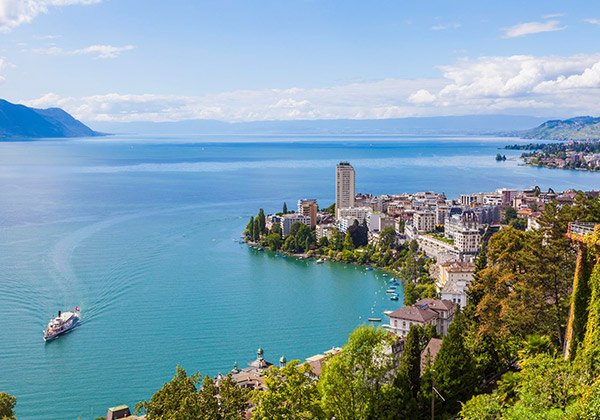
<point>7,406</point>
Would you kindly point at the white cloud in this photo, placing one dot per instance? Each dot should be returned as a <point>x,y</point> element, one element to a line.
<point>521,84</point>
<point>593,21</point>
<point>104,51</point>
<point>529,28</point>
<point>422,96</point>
<point>17,12</point>
<point>100,51</point>
<point>445,26</point>
<point>553,15</point>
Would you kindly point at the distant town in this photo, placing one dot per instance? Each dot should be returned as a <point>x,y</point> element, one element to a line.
<point>574,155</point>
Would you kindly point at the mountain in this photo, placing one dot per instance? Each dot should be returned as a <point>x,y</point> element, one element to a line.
<point>578,128</point>
<point>18,121</point>
<point>468,124</point>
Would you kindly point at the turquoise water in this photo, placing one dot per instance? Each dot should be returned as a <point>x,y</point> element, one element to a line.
<point>139,233</point>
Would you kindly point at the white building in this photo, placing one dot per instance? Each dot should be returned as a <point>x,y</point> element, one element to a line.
<point>344,186</point>
<point>355,213</point>
<point>287,220</point>
<point>467,240</point>
<point>402,319</point>
<point>454,271</point>
<point>379,221</point>
<point>425,312</point>
<point>324,231</point>
<point>424,221</point>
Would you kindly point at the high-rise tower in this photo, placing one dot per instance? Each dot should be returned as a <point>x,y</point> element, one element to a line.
<point>344,186</point>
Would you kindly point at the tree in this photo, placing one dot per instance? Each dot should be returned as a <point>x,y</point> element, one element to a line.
<point>394,401</point>
<point>302,235</point>
<point>261,221</point>
<point>256,230</point>
<point>411,358</point>
<point>348,243</point>
<point>387,239</point>
<point>274,241</point>
<point>290,244</point>
<point>509,214</point>
<point>351,381</point>
<point>176,400</point>
<point>296,226</point>
<point>233,400</point>
<point>285,209</point>
<point>359,234</point>
<point>7,406</point>
<point>250,229</point>
<point>337,240</point>
<point>455,375</point>
<point>323,242</point>
<point>291,393</point>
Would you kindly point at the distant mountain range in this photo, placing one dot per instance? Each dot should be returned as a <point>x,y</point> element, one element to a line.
<point>20,121</point>
<point>468,124</point>
<point>578,128</point>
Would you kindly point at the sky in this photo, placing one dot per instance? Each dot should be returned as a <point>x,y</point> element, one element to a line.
<point>250,60</point>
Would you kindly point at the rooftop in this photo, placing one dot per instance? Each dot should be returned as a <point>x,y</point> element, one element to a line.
<point>435,304</point>
<point>413,313</point>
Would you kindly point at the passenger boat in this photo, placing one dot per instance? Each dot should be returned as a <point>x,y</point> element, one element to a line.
<point>63,323</point>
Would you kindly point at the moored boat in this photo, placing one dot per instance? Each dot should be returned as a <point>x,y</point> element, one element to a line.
<point>63,323</point>
<point>395,297</point>
<point>374,319</point>
<point>320,261</point>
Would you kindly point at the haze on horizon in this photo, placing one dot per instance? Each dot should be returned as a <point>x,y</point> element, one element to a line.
<point>234,60</point>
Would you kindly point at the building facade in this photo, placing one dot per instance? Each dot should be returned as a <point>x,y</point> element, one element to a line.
<point>344,186</point>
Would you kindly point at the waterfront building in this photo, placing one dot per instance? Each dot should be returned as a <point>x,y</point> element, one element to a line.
<point>250,377</point>
<point>121,412</point>
<point>424,221</point>
<point>309,210</point>
<point>443,308</point>
<point>402,319</point>
<point>325,231</point>
<point>287,220</point>
<point>344,186</point>
<point>271,220</point>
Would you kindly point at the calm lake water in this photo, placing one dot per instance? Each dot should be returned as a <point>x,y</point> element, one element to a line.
<point>139,233</point>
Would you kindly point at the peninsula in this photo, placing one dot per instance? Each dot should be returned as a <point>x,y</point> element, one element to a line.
<point>20,121</point>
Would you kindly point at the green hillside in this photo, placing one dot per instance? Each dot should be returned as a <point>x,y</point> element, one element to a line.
<point>578,128</point>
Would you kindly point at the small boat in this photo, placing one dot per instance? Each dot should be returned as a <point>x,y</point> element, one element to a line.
<point>284,256</point>
<point>374,319</point>
<point>369,268</point>
<point>390,291</point>
<point>260,249</point>
<point>278,255</point>
<point>251,246</point>
<point>63,323</point>
<point>395,297</point>
<point>384,274</point>
<point>320,261</point>
<point>395,283</point>
<point>387,312</point>
<point>393,287</point>
<point>310,259</point>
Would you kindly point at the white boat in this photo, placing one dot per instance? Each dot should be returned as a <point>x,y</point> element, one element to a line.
<point>63,323</point>
<point>320,261</point>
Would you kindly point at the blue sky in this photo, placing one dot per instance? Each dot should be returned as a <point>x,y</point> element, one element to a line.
<point>129,60</point>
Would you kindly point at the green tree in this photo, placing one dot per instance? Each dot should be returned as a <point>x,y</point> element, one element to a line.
<point>455,375</point>
<point>176,400</point>
<point>387,239</point>
<point>482,407</point>
<point>509,214</point>
<point>323,242</point>
<point>411,358</point>
<point>250,229</point>
<point>285,209</point>
<point>348,243</point>
<point>7,406</point>
<point>256,230</point>
<point>302,234</point>
<point>274,241</point>
<point>351,381</point>
<point>337,240</point>
<point>291,393</point>
<point>233,400</point>
<point>289,244</point>
<point>394,401</point>
<point>261,221</point>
